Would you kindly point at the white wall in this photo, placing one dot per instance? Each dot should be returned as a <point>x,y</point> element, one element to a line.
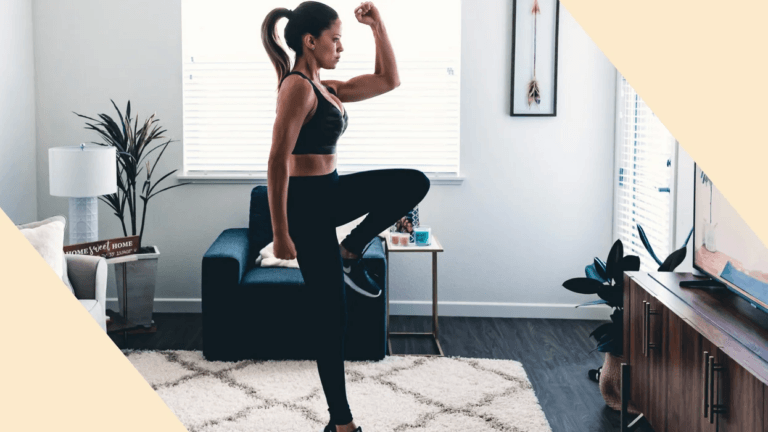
<point>535,208</point>
<point>18,177</point>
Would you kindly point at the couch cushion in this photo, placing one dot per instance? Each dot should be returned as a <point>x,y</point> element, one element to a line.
<point>273,276</point>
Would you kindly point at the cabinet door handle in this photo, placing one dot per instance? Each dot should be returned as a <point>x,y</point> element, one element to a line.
<point>715,408</point>
<point>645,327</point>
<point>647,322</point>
<point>706,383</point>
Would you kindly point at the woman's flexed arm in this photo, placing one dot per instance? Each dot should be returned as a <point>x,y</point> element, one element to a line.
<point>368,14</point>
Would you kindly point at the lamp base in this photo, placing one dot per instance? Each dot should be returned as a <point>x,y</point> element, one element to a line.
<point>83,220</point>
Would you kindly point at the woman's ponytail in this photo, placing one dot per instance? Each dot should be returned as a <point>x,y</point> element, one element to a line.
<point>270,39</point>
<point>309,17</point>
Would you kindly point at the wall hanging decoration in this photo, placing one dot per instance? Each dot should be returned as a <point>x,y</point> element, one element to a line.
<point>535,25</point>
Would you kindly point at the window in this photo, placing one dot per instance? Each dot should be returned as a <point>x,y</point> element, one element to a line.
<point>229,89</point>
<point>644,178</point>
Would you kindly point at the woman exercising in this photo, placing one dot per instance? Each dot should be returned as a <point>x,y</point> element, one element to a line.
<point>307,198</point>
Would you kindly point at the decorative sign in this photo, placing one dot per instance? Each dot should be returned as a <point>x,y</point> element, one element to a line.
<point>106,248</point>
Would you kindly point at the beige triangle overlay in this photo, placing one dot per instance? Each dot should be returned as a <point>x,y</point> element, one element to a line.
<point>60,370</point>
<point>699,66</point>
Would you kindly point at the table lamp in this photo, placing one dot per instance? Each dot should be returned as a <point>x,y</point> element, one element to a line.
<point>82,173</point>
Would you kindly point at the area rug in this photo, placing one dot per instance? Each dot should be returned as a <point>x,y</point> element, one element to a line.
<point>397,394</point>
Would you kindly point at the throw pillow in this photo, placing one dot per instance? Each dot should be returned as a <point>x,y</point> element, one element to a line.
<point>43,239</point>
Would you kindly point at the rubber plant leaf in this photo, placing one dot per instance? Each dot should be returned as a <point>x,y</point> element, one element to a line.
<point>592,273</point>
<point>673,260</point>
<point>593,302</point>
<point>647,244</point>
<point>616,253</point>
<point>628,263</point>
<point>618,317</point>
<point>688,238</point>
<point>601,270</point>
<point>583,285</point>
<point>613,295</point>
<point>600,331</point>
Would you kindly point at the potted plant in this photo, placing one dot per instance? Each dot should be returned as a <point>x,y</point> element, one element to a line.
<point>131,145</point>
<point>606,279</point>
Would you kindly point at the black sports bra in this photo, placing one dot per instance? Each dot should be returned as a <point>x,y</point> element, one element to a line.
<point>322,131</point>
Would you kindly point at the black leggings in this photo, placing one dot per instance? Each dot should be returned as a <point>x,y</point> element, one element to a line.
<point>316,206</point>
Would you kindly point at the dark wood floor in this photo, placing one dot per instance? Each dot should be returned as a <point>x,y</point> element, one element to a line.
<point>555,354</point>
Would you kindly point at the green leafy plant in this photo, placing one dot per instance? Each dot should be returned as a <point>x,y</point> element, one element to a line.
<point>131,144</point>
<point>606,279</point>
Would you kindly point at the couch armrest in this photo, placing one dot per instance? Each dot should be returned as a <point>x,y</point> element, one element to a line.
<point>226,260</point>
<point>88,275</point>
<point>375,260</point>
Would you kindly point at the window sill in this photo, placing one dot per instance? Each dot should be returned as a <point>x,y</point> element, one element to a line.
<point>261,179</point>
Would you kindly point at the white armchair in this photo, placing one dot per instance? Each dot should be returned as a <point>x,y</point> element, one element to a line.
<point>88,275</point>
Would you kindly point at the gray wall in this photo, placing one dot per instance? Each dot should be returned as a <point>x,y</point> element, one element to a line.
<point>535,208</point>
<point>18,175</point>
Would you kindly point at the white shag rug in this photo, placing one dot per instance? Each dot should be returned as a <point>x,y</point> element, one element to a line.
<point>397,394</point>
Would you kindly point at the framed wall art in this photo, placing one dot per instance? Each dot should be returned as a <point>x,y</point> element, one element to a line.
<point>535,25</point>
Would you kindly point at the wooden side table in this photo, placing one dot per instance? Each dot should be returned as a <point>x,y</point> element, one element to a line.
<point>435,247</point>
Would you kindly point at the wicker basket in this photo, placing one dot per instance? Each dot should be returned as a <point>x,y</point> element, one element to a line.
<point>610,384</point>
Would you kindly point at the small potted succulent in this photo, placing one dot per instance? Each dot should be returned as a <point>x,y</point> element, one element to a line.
<point>131,145</point>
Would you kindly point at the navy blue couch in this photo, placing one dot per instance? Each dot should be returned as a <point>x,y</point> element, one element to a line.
<point>252,312</point>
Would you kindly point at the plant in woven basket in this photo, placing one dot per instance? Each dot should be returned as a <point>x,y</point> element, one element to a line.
<point>131,144</point>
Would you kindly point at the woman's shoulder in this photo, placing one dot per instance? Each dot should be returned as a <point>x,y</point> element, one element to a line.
<point>331,85</point>
<point>294,81</point>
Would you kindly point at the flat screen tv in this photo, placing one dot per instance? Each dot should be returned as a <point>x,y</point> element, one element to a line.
<point>724,247</point>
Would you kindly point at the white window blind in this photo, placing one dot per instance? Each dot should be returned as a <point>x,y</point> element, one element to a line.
<point>645,166</point>
<point>230,96</point>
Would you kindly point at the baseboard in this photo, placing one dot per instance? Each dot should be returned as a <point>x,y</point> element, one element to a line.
<point>445,308</point>
<point>501,310</point>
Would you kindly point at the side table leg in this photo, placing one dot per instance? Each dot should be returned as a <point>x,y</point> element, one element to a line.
<point>434,294</point>
<point>435,328</point>
<point>389,343</point>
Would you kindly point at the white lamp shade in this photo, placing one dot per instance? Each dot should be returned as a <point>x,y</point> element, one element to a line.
<point>82,171</point>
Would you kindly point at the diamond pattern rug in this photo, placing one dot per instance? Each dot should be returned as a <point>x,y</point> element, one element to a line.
<point>397,394</point>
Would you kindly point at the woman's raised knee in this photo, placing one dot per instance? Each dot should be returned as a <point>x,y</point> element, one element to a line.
<point>421,183</point>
